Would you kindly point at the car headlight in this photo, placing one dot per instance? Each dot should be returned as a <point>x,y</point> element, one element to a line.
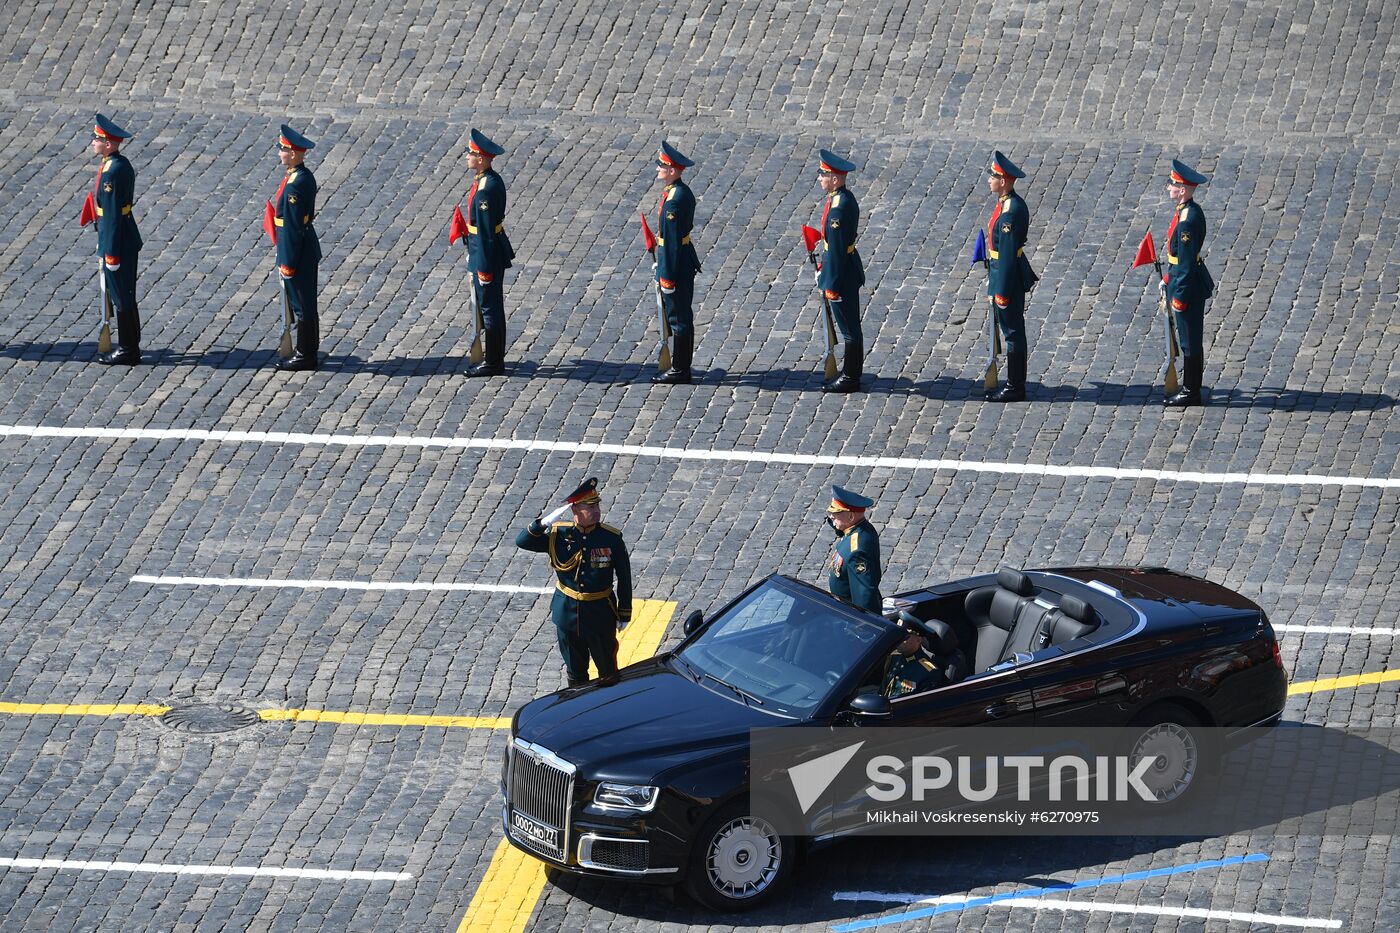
<point>637,797</point>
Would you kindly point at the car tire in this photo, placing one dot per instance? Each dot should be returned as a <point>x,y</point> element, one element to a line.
<point>1176,737</point>
<point>738,860</point>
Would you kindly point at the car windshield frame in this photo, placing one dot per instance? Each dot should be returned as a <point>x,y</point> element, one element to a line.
<point>760,651</point>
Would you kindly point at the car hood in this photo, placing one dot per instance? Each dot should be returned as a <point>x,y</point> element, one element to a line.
<point>654,717</point>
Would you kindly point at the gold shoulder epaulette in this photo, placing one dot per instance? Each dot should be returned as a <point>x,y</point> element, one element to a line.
<point>614,529</point>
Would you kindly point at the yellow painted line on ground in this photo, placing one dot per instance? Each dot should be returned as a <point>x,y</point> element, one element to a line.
<point>1342,683</point>
<point>507,895</point>
<point>384,719</point>
<point>83,709</point>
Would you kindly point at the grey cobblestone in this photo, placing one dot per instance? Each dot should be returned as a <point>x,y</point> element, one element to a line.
<point>1293,109</point>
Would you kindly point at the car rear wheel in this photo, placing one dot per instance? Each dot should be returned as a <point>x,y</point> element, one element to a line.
<point>1173,736</point>
<point>738,861</point>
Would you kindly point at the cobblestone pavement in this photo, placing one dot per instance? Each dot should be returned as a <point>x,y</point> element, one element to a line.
<point>1292,107</point>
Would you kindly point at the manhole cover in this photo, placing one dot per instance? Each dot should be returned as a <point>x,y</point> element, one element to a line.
<point>209,718</point>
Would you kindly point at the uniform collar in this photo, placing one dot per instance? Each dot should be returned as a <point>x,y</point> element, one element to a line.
<point>847,533</point>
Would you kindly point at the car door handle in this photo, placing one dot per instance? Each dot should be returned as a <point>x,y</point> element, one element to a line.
<point>999,710</point>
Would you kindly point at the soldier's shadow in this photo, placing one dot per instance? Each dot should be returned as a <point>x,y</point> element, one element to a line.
<point>1266,398</point>
<point>85,352</point>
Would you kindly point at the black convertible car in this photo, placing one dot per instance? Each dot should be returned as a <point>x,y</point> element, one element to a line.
<point>648,779</point>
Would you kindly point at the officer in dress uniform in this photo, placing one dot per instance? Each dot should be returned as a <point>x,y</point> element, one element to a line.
<point>676,261</point>
<point>1009,275</point>
<point>854,570</point>
<point>909,669</point>
<point>842,273</point>
<point>489,252</point>
<point>1187,284</point>
<point>118,240</point>
<point>586,557</point>
<point>298,249</point>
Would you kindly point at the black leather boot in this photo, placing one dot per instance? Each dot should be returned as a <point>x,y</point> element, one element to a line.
<point>128,352</point>
<point>1015,388</point>
<point>305,358</point>
<point>493,362</point>
<point>1189,395</point>
<point>679,373</point>
<point>852,365</point>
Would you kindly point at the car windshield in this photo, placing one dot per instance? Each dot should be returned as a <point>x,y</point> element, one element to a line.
<point>779,650</point>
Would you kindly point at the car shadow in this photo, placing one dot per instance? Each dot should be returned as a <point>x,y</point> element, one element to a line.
<point>857,869</point>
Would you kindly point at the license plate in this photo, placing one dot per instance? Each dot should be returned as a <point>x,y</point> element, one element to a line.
<point>534,830</point>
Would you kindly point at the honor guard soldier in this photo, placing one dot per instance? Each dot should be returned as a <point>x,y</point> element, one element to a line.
<point>842,273</point>
<point>854,568</point>
<point>676,261</point>
<point>593,582</point>
<point>298,248</point>
<point>489,252</point>
<point>1187,284</point>
<point>1009,274</point>
<point>118,240</point>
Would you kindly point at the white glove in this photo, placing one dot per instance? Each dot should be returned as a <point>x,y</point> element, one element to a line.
<point>1162,287</point>
<point>667,291</point>
<point>112,267</point>
<point>622,625</point>
<point>285,276</point>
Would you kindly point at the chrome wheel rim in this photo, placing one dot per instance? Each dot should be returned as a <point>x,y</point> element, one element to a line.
<point>744,857</point>
<point>1177,760</point>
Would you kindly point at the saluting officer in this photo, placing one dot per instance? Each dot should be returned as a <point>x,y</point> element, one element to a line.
<point>1187,284</point>
<point>118,240</point>
<point>842,273</point>
<point>676,261</point>
<point>1009,275</point>
<point>298,248</point>
<point>489,252</point>
<point>854,567</point>
<point>586,556</point>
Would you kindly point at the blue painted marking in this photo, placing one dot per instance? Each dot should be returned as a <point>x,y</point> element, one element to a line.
<point>1049,889</point>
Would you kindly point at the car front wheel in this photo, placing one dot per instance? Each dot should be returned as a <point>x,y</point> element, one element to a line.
<point>738,861</point>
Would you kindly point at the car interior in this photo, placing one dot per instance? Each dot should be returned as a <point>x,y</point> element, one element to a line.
<point>992,625</point>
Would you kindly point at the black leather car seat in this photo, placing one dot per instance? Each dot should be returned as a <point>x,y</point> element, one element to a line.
<point>944,651</point>
<point>1073,619</point>
<point>994,611</point>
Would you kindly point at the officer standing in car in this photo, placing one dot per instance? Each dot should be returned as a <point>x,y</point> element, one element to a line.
<point>854,566</point>
<point>586,557</point>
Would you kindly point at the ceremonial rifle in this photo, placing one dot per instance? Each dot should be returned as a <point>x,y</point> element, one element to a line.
<point>979,254</point>
<point>663,357</point>
<point>810,238</point>
<point>104,303</point>
<point>458,231</point>
<point>1147,252</point>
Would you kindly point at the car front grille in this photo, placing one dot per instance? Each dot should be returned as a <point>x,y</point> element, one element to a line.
<point>539,795</point>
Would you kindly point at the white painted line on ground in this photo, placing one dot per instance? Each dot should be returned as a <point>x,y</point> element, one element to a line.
<point>342,584</point>
<point>682,453</point>
<point>1337,630</point>
<point>1036,903</point>
<point>153,868</point>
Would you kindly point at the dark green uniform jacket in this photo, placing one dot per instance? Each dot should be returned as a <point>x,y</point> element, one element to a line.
<point>912,674</point>
<point>593,576</point>
<point>855,567</point>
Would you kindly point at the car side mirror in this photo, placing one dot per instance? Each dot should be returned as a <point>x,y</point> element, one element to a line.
<point>870,704</point>
<point>693,622</point>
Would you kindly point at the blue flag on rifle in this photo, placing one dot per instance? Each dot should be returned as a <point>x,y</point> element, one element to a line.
<point>979,249</point>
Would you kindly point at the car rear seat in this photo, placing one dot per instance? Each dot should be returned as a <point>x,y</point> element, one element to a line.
<point>1014,617</point>
<point>994,611</point>
<point>1073,618</point>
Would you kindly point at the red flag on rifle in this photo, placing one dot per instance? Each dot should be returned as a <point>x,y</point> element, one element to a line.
<point>1147,252</point>
<point>269,222</point>
<point>811,237</point>
<point>459,226</point>
<point>648,238</point>
<point>89,213</point>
